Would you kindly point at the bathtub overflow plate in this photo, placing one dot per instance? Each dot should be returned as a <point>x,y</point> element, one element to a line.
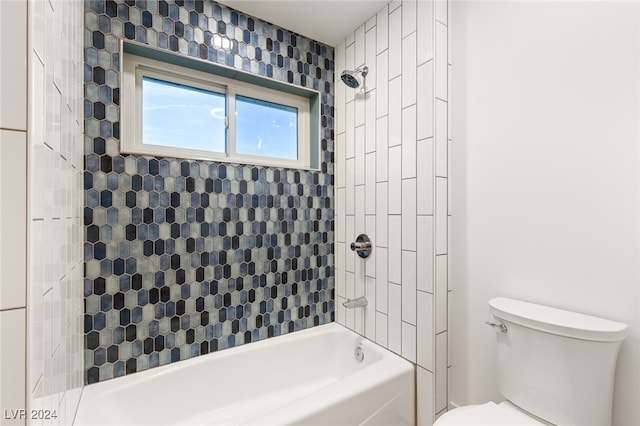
<point>358,353</point>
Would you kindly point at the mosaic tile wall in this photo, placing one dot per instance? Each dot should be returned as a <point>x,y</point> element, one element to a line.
<point>187,257</point>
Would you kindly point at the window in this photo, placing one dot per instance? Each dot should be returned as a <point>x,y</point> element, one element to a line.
<point>186,112</point>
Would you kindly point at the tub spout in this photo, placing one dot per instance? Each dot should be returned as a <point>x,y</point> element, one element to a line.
<point>359,302</point>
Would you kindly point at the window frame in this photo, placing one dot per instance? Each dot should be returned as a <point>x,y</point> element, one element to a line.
<point>135,67</point>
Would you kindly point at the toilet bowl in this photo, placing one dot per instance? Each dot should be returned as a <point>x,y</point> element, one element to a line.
<point>555,367</point>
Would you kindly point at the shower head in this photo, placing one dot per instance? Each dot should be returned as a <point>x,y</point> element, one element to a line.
<point>349,77</point>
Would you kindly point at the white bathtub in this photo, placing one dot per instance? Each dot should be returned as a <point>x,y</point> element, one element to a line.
<point>309,377</point>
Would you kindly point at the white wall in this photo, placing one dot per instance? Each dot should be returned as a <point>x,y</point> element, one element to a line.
<point>13,210</point>
<point>546,189</point>
<point>391,183</point>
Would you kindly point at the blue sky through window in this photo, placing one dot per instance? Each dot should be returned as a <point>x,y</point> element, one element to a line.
<point>182,116</point>
<point>266,129</point>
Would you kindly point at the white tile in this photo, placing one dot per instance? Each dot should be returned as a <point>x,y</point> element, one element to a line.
<point>441,61</point>
<point>359,53</point>
<point>370,183</point>
<point>395,249</point>
<point>409,12</point>
<point>441,11</point>
<point>409,142</point>
<point>382,29</point>
<point>13,67</point>
<point>382,150</point>
<point>381,214</point>
<point>349,130</point>
<point>382,84</point>
<point>370,24</point>
<point>441,138</point>
<point>381,329</point>
<point>370,122</point>
<point>441,372</point>
<point>395,180</point>
<point>359,314</point>
<point>339,61</point>
<point>425,397</point>
<point>340,160</point>
<point>37,26</point>
<point>340,214</point>
<point>350,256</point>
<point>449,341</point>
<point>381,279</point>
<point>394,4</point>
<point>425,330</point>
<point>359,105</point>
<point>449,258</point>
<point>350,294</point>
<point>395,111</point>
<point>350,39</point>
<point>424,253</point>
<point>371,57</point>
<point>349,64</point>
<point>341,311</point>
<point>450,186</point>
<point>424,175</point>
<point>409,214</point>
<point>359,156</point>
<point>394,319</point>
<point>449,100</point>
<point>409,70</point>
<point>13,333</point>
<point>370,309</point>
<point>425,101</point>
<point>36,311</point>
<point>441,293</point>
<point>340,111</point>
<point>409,342</point>
<point>449,27</point>
<point>13,219</point>
<point>370,230</point>
<point>395,43</point>
<point>350,177</point>
<point>425,31</point>
<point>409,286</point>
<point>54,109</point>
<point>359,213</point>
<point>441,216</point>
<point>340,270</point>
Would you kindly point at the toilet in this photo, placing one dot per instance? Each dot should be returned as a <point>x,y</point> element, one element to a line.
<point>554,367</point>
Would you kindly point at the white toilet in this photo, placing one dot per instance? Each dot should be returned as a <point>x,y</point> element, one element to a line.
<point>554,367</point>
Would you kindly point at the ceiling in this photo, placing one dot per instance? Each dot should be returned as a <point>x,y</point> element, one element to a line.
<point>327,21</point>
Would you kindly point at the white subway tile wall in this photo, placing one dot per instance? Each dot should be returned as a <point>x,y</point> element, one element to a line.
<point>404,171</point>
<point>55,219</point>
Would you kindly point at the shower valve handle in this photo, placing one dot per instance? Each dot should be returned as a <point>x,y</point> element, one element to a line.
<point>362,246</point>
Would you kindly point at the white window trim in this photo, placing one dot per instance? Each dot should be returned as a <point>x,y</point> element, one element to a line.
<point>135,67</point>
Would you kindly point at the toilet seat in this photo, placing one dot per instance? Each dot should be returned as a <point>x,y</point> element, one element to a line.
<point>489,414</point>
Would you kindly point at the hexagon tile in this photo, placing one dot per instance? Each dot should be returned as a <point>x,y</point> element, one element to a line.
<point>184,257</point>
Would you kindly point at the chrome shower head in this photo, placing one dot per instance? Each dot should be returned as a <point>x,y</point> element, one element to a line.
<point>349,77</point>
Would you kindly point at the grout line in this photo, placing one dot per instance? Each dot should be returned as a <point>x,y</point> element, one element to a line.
<point>10,129</point>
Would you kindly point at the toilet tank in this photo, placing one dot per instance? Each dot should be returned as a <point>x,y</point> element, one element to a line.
<point>555,364</point>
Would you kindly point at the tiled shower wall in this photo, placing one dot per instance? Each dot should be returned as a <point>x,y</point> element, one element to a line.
<point>392,176</point>
<point>55,208</point>
<point>189,257</point>
<point>41,230</point>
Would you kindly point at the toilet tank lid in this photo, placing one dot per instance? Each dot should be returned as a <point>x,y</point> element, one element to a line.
<point>557,321</point>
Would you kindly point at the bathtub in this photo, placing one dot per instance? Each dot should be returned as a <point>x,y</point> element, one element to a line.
<point>309,377</point>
